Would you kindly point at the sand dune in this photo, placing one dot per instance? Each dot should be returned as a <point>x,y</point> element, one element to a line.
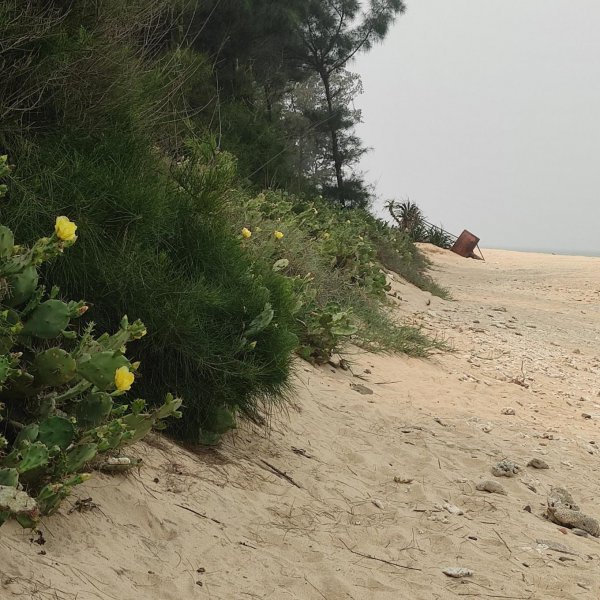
<point>355,493</point>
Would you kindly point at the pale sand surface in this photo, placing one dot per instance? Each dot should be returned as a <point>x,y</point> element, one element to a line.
<point>529,318</point>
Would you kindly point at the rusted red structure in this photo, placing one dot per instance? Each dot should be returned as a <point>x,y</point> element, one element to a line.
<point>465,245</point>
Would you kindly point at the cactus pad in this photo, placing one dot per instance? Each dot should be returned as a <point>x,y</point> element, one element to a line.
<point>22,286</point>
<point>100,368</point>
<point>48,320</point>
<point>56,431</point>
<point>92,410</point>
<point>54,368</point>
<point>79,456</point>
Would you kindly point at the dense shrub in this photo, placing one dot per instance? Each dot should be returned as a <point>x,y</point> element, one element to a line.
<point>156,244</point>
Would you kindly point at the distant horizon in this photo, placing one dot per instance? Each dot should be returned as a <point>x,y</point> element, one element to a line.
<point>571,252</point>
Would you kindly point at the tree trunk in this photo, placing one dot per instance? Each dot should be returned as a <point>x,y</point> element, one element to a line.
<point>335,147</point>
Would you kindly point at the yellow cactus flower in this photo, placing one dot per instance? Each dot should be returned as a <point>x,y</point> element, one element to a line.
<point>123,379</point>
<point>65,229</point>
<point>278,235</point>
<point>246,233</point>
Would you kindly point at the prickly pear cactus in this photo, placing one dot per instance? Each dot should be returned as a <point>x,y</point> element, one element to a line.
<point>61,388</point>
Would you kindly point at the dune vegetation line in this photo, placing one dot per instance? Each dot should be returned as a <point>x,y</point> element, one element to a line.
<point>192,165</point>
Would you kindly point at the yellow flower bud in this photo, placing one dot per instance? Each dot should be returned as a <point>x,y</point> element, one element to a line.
<point>65,229</point>
<point>124,379</point>
<point>246,233</point>
<point>278,235</point>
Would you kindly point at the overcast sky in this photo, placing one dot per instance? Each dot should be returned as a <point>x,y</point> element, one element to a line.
<point>486,113</point>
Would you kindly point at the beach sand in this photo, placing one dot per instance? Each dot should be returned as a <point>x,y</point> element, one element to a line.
<point>347,495</point>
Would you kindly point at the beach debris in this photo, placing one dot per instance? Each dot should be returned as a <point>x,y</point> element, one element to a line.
<point>563,510</point>
<point>457,572</point>
<point>281,474</point>
<point>301,452</point>
<point>574,518</point>
<point>555,547</point>
<point>508,411</point>
<point>492,487</point>
<point>561,496</point>
<point>465,245</point>
<point>538,463</point>
<point>83,505</point>
<point>453,510</point>
<point>505,468</point>
<point>119,464</point>
<point>399,479</point>
<point>361,389</point>
<point>586,415</point>
<point>378,503</point>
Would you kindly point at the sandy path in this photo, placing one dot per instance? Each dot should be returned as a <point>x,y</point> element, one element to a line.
<point>533,319</point>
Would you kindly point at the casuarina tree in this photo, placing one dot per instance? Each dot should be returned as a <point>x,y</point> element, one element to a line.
<point>331,33</point>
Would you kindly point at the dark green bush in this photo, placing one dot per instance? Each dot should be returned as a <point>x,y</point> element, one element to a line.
<point>157,245</point>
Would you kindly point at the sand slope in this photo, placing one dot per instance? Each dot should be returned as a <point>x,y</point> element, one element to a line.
<point>223,525</point>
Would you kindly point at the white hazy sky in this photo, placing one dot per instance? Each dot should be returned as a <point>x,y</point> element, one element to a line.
<point>486,113</point>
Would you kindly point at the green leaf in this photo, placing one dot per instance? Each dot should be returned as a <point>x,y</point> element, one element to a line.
<point>9,477</point>
<point>27,434</point>
<point>79,456</point>
<point>281,264</point>
<point>56,431</point>
<point>261,322</point>
<point>33,457</point>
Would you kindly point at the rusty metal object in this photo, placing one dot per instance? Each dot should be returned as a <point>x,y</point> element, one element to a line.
<point>465,245</point>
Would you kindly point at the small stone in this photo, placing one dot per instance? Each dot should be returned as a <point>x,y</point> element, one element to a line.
<point>555,546</point>
<point>378,503</point>
<point>586,415</point>
<point>361,389</point>
<point>508,411</point>
<point>457,572</point>
<point>505,468</point>
<point>525,564</point>
<point>486,428</point>
<point>472,537</point>
<point>453,510</point>
<point>538,463</point>
<point>527,508</point>
<point>580,532</point>
<point>563,530</point>
<point>492,487</point>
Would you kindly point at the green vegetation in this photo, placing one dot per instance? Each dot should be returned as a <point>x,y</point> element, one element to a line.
<point>61,391</point>
<point>334,258</point>
<point>411,220</point>
<point>154,125</point>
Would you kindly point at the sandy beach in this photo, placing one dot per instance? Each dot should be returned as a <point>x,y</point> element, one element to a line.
<point>366,487</point>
